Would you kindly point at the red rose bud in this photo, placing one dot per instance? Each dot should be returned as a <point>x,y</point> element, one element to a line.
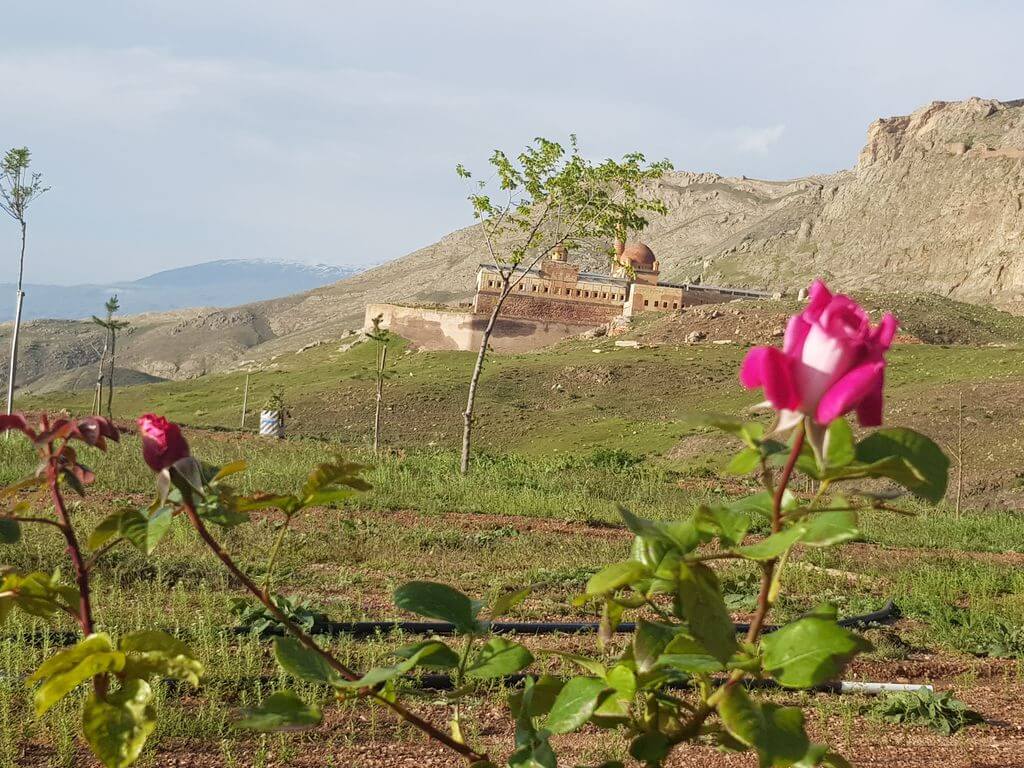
<point>162,442</point>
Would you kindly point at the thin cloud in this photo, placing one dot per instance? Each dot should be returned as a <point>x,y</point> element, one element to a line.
<point>758,140</point>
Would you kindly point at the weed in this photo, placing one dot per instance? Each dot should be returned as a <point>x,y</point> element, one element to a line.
<point>939,711</point>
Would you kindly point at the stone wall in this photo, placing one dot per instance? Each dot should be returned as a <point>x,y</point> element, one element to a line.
<point>436,329</point>
<point>587,314</point>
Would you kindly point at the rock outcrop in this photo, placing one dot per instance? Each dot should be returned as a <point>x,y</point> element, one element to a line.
<point>935,203</point>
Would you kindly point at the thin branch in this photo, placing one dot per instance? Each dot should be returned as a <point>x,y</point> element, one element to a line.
<point>310,644</point>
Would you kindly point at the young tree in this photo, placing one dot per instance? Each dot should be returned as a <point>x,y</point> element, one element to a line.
<point>112,326</point>
<point>545,199</point>
<point>381,336</point>
<point>18,188</point>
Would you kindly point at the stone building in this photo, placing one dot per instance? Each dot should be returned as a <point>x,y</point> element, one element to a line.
<point>557,290</point>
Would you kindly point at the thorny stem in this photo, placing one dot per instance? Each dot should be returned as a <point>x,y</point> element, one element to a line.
<point>74,550</point>
<point>768,572</point>
<point>309,643</point>
<point>84,613</point>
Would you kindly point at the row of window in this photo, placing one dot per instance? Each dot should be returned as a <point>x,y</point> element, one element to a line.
<point>663,304</point>
<point>568,291</point>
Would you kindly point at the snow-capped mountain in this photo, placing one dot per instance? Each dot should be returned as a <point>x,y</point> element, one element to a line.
<point>222,283</point>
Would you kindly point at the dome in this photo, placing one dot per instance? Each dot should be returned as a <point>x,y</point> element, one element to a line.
<point>639,255</point>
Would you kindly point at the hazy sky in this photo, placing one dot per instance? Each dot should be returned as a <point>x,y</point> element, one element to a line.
<point>179,131</point>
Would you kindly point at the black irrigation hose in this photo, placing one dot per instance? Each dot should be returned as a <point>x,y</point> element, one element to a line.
<point>888,612</point>
<point>361,629</point>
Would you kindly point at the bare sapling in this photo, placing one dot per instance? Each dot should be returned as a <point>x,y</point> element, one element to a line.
<point>18,188</point>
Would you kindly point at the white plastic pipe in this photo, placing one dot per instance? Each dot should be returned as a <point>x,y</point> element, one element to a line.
<point>874,689</point>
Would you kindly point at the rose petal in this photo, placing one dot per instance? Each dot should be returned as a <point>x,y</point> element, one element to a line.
<point>819,297</point>
<point>769,368</point>
<point>885,331</point>
<point>848,392</point>
<point>796,334</point>
<point>869,411</point>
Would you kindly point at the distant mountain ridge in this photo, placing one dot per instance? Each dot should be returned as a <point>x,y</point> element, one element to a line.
<point>221,283</point>
<point>934,204</point>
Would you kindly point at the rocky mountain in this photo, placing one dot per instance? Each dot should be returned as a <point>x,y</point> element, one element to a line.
<point>935,203</point>
<point>222,283</point>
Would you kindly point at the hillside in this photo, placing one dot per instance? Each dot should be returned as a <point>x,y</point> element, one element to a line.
<point>934,204</point>
<point>222,283</point>
<point>586,394</point>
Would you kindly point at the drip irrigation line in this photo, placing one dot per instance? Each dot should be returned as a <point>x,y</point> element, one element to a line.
<point>889,612</point>
<point>361,629</point>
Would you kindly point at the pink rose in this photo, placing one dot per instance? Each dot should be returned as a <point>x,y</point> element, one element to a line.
<point>162,442</point>
<point>832,361</point>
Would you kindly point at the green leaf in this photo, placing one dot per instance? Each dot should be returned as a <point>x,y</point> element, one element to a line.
<point>773,546</point>
<point>649,641</point>
<point>826,529</point>
<point>650,748</point>
<point>497,658</point>
<point>69,668</point>
<point>744,462</point>
<point>329,475</point>
<point>929,465</point>
<point>37,593</point>
<point>118,725</point>
<point>839,448</point>
<point>10,531</point>
<point>575,704</point>
<point>154,652</point>
<point>108,528</point>
<point>750,432</point>
<point>438,655</point>
<point>378,675</point>
<point>709,621</point>
<point>297,660</point>
<point>776,733</point>
<point>230,469</point>
<point>682,534</point>
<point>687,655</point>
<point>506,601</point>
<point>810,651</point>
<point>729,523</point>
<point>616,576</point>
<point>281,711</point>
<point>538,696</point>
<point>144,530</point>
<point>761,503</point>
<point>439,601</point>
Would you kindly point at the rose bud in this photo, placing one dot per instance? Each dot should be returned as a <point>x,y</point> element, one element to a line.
<point>162,442</point>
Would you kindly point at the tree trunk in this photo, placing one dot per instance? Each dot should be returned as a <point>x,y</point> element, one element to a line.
<point>467,426</point>
<point>13,368</point>
<point>110,378</point>
<point>382,359</point>
<point>99,374</point>
<point>959,452</point>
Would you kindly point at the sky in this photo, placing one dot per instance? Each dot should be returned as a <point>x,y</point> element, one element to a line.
<point>174,132</point>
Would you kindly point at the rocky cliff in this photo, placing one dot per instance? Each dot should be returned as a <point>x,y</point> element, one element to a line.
<point>935,203</point>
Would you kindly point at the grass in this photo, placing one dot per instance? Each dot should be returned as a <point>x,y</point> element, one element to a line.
<point>564,436</point>
<point>348,560</point>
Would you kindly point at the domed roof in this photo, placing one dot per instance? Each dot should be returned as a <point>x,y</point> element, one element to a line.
<point>639,255</point>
